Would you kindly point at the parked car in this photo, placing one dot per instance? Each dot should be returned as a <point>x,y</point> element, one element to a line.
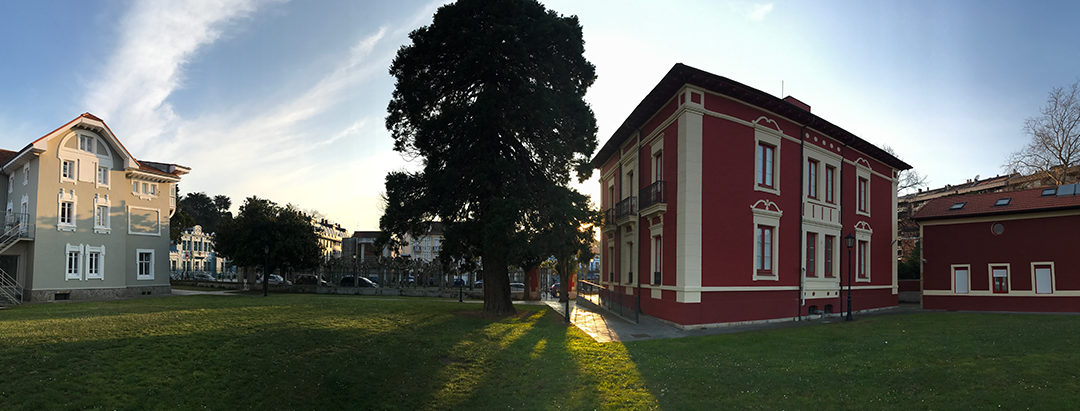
<point>517,287</point>
<point>479,284</point>
<point>352,281</point>
<point>275,280</point>
<point>458,282</point>
<point>204,277</point>
<point>310,279</point>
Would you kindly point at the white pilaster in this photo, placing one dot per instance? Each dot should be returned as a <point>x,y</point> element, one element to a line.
<point>688,215</point>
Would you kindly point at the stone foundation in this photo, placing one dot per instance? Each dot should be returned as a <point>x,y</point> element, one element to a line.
<point>98,294</point>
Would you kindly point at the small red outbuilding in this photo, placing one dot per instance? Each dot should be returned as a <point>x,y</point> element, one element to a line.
<point>1006,251</point>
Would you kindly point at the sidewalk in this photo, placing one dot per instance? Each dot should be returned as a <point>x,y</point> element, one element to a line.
<point>607,327</point>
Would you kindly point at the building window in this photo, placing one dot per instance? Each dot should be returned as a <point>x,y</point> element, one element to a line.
<point>766,154</point>
<point>103,176</point>
<point>658,166</point>
<point>1000,278</point>
<point>830,175</point>
<point>658,260</point>
<point>101,217</point>
<point>862,194</point>
<point>86,143</point>
<point>862,255</point>
<point>1044,278</point>
<point>135,187</point>
<point>811,182</point>
<point>11,183</point>
<point>95,262</point>
<point>763,248</point>
<point>67,170</point>
<point>961,279</point>
<point>829,240</point>
<point>811,254</point>
<point>144,264</point>
<point>26,174</point>
<point>74,253</point>
<point>67,213</point>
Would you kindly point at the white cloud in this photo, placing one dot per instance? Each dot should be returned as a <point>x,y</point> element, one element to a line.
<point>157,38</point>
<point>758,12</point>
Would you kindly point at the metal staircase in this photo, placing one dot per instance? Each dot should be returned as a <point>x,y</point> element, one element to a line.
<point>10,289</point>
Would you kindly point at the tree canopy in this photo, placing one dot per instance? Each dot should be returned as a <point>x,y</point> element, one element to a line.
<point>205,211</point>
<point>267,235</point>
<point>490,97</point>
<point>1054,145</point>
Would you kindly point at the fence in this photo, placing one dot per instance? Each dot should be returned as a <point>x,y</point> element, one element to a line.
<point>599,296</point>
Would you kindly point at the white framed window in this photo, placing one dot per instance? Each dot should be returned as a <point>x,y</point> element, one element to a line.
<point>862,191</point>
<point>86,143</point>
<point>766,241</point>
<point>658,260</point>
<point>135,187</point>
<point>153,189</point>
<point>102,214</point>
<point>67,170</point>
<point>11,183</point>
<point>26,174</point>
<point>863,253</point>
<point>66,203</point>
<point>144,264</point>
<point>95,262</point>
<point>103,176</point>
<point>73,262</point>
<point>766,161</point>
<point>1042,276</point>
<point>961,278</point>
<point>999,278</point>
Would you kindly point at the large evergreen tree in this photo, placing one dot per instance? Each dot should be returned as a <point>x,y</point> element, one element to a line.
<point>491,97</point>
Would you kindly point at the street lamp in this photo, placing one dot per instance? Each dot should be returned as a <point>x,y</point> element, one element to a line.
<point>849,241</point>
<point>266,267</point>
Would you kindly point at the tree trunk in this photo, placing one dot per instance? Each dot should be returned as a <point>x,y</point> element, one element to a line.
<point>496,286</point>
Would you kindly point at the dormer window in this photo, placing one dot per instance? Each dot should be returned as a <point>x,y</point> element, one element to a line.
<point>1003,201</point>
<point>957,206</point>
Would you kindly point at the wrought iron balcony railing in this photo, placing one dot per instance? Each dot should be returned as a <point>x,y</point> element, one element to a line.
<point>652,194</point>
<point>626,208</point>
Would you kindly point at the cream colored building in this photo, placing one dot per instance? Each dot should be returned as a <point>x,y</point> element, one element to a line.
<point>330,235</point>
<point>84,218</point>
<point>426,246</point>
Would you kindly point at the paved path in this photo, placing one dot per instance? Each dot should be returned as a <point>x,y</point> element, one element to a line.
<point>603,326</point>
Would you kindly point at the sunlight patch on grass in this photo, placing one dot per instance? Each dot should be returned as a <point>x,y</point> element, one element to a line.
<point>538,349</point>
<point>470,359</point>
<point>616,378</point>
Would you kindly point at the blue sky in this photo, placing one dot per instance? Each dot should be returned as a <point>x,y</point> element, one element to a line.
<point>286,100</point>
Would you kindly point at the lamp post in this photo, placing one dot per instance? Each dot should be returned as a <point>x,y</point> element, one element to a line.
<point>266,268</point>
<point>849,241</point>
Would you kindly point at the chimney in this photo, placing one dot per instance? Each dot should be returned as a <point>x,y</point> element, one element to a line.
<point>795,102</point>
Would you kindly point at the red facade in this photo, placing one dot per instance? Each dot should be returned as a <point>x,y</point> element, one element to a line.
<point>1009,251</point>
<point>733,206</point>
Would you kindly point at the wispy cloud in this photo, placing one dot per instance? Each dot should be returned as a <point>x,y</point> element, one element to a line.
<point>157,38</point>
<point>758,11</point>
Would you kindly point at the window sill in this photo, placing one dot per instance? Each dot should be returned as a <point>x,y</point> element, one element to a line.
<point>764,189</point>
<point>140,278</point>
<point>862,213</point>
<point>102,230</point>
<point>64,227</point>
<point>66,180</point>
<point>766,277</point>
<point>862,280</point>
<point>102,278</point>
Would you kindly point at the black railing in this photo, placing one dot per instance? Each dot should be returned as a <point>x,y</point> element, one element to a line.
<point>625,306</point>
<point>626,207</point>
<point>652,194</point>
<point>609,217</point>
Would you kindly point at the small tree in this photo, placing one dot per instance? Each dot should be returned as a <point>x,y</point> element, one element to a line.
<point>1054,147</point>
<point>267,235</point>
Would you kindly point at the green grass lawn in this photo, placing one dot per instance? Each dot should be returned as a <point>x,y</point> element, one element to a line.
<point>321,351</point>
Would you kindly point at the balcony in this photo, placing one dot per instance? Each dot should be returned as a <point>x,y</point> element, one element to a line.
<point>626,211</point>
<point>652,200</point>
<point>609,219</point>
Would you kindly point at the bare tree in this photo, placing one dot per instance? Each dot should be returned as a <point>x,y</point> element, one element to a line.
<point>1055,138</point>
<point>906,179</point>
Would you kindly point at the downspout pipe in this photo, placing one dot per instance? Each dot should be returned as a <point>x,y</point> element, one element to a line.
<point>802,201</point>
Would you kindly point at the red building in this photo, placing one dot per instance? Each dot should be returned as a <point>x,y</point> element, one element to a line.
<point>1006,251</point>
<point>734,204</point>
